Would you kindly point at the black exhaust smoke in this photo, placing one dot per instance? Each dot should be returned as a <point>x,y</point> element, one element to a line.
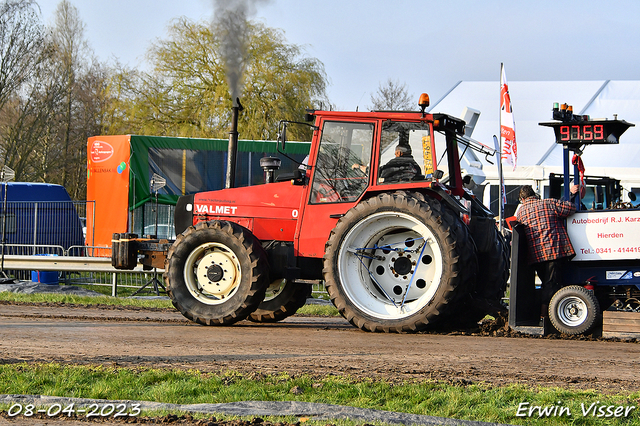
<point>232,151</point>
<point>231,24</point>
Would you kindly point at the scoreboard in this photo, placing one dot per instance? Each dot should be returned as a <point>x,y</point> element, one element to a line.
<point>577,130</point>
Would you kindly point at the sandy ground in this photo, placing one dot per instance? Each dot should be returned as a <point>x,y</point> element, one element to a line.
<point>130,337</point>
<point>306,345</point>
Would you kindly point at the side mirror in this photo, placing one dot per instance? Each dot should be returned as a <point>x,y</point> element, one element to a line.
<point>632,196</point>
<point>282,137</point>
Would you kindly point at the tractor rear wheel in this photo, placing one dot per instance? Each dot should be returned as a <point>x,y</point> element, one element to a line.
<point>282,299</point>
<point>574,310</point>
<point>216,273</point>
<point>394,263</point>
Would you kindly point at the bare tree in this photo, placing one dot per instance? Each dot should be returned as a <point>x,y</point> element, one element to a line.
<point>71,53</point>
<point>391,96</point>
<point>21,41</point>
<point>45,121</point>
<point>30,131</point>
<point>21,38</point>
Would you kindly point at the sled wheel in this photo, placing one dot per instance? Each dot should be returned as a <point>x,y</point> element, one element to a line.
<point>282,299</point>
<point>573,310</point>
<point>393,263</point>
<point>216,273</point>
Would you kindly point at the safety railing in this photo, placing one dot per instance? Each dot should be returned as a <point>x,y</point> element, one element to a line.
<point>89,251</point>
<point>34,250</point>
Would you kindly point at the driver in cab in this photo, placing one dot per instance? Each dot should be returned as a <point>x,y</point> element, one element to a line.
<point>402,168</point>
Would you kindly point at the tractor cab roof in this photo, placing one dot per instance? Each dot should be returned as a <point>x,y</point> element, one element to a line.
<point>441,122</point>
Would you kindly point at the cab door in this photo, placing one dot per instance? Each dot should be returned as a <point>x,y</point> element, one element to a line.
<point>340,175</point>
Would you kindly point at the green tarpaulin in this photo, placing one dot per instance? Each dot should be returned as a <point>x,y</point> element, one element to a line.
<point>194,165</point>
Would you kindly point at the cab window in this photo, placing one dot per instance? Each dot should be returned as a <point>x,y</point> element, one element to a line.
<point>342,169</point>
<point>406,152</point>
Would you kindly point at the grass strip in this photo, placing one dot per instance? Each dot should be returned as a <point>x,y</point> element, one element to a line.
<point>307,310</point>
<point>72,299</point>
<point>471,402</point>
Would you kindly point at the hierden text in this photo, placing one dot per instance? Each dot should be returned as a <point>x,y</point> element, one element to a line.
<point>605,235</point>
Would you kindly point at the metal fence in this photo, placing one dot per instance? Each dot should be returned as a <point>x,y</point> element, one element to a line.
<point>58,229</point>
<point>37,224</point>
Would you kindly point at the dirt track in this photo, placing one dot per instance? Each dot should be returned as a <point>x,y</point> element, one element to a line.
<point>304,345</point>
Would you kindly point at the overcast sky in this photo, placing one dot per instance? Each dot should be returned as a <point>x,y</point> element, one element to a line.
<point>428,45</point>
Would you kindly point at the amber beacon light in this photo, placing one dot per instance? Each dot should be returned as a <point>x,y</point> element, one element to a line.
<point>423,102</point>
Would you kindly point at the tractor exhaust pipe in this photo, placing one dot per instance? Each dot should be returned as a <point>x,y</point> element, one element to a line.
<point>233,144</point>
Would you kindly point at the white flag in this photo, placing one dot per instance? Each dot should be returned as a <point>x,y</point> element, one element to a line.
<point>507,125</point>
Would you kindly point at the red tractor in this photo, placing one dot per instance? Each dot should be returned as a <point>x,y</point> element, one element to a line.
<point>399,247</point>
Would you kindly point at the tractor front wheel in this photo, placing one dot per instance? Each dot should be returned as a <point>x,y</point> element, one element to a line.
<point>216,273</point>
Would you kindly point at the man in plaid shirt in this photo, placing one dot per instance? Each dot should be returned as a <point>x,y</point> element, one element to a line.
<point>547,238</point>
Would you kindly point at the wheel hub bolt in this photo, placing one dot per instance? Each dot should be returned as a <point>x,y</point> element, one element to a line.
<point>402,266</point>
<point>214,273</point>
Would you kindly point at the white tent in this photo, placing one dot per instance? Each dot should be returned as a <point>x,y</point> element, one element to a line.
<point>532,103</point>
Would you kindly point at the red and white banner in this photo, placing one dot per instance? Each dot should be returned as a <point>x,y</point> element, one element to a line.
<point>507,125</point>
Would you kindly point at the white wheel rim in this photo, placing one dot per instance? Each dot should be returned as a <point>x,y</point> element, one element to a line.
<point>212,273</point>
<point>572,311</point>
<point>274,289</point>
<point>395,284</point>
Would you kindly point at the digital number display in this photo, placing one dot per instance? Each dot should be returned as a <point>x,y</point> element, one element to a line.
<point>575,133</point>
<point>582,132</point>
<point>579,130</point>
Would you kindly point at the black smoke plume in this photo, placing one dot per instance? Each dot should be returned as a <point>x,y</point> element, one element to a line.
<point>230,17</point>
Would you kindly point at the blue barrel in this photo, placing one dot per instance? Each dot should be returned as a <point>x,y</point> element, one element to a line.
<point>45,277</point>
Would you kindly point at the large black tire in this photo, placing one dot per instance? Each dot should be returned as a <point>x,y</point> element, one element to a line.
<point>490,287</point>
<point>216,273</point>
<point>574,310</point>
<point>282,299</point>
<point>493,275</point>
<point>395,263</point>
<point>493,269</point>
<point>468,258</point>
